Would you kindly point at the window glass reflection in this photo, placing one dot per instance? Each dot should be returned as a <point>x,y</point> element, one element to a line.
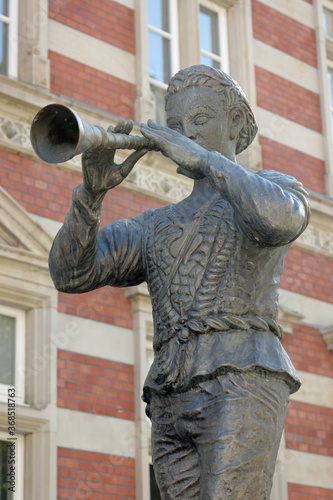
<point>159,57</point>
<point>7,350</point>
<point>158,14</point>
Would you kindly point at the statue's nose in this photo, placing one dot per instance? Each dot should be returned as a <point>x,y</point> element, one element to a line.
<point>188,131</point>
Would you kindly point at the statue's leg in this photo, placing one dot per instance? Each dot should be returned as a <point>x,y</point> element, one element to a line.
<point>239,435</point>
<point>175,460</point>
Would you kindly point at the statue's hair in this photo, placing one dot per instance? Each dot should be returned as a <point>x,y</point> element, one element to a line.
<point>230,92</point>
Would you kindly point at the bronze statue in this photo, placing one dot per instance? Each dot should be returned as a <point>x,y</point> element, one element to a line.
<point>217,391</point>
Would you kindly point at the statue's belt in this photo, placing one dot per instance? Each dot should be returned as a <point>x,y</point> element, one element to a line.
<point>185,328</point>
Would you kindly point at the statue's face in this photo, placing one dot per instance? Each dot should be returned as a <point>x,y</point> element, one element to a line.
<point>198,113</point>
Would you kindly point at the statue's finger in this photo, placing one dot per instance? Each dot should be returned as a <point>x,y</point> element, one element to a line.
<point>128,127</point>
<point>120,126</point>
<point>128,164</point>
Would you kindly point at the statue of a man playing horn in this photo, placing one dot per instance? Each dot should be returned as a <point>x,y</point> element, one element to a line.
<point>217,391</point>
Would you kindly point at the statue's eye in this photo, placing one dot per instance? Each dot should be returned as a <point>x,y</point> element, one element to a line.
<point>177,127</point>
<point>200,119</point>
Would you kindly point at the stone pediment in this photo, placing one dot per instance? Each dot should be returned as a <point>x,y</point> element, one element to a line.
<point>21,238</point>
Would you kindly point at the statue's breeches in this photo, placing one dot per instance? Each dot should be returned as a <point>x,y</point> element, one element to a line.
<point>219,439</point>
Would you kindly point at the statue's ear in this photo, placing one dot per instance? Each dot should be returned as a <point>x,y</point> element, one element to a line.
<point>237,121</point>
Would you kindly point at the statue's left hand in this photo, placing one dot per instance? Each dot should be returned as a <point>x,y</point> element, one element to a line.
<point>186,153</point>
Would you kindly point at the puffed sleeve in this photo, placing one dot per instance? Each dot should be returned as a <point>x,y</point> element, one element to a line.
<point>84,258</point>
<point>270,208</point>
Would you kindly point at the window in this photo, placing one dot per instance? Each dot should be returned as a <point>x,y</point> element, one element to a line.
<point>328,21</point>
<point>330,90</point>
<point>11,455</point>
<point>8,37</point>
<point>328,27</point>
<point>12,349</point>
<point>213,35</point>
<point>163,49</point>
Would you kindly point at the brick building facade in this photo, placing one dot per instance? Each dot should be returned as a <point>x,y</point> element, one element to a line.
<point>79,361</point>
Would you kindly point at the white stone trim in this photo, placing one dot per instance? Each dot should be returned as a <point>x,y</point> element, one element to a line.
<point>13,39</point>
<point>280,485</point>
<point>297,10</point>
<point>142,318</point>
<point>291,134</point>
<point>309,469</point>
<point>315,390</point>
<point>322,54</point>
<point>126,3</point>
<point>90,432</point>
<point>327,334</point>
<point>107,341</point>
<point>25,284</point>
<point>84,49</point>
<point>316,313</point>
<point>288,319</point>
<point>33,63</point>
<point>189,36</point>
<point>285,66</point>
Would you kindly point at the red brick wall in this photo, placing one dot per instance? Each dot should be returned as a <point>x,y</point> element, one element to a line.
<point>284,33</point>
<point>307,169</point>
<point>107,20</point>
<point>308,275</point>
<point>47,191</point>
<point>287,99</point>
<point>299,492</point>
<point>308,352</point>
<point>95,385</point>
<point>105,304</point>
<point>85,475</point>
<point>91,86</point>
<point>309,428</point>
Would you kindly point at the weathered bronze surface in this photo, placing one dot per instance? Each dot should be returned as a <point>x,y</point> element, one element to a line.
<point>217,392</point>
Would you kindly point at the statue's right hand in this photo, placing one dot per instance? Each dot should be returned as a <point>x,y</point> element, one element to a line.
<point>100,172</point>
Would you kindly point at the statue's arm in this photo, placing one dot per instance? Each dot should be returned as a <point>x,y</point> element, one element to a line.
<point>271,208</point>
<point>83,257</point>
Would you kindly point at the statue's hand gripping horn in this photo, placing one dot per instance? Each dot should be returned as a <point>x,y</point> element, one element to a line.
<point>58,134</point>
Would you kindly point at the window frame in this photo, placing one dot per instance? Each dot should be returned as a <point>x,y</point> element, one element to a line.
<point>174,42</point>
<point>20,331</point>
<point>328,5</point>
<point>12,21</point>
<point>222,24</point>
<point>19,463</point>
<point>330,93</point>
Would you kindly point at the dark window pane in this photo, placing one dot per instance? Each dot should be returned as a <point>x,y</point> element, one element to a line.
<point>4,7</point>
<point>330,86</point>
<point>209,35</point>
<point>158,14</point>
<point>159,57</point>
<point>3,48</point>
<point>154,491</point>
<point>7,350</point>
<point>328,22</point>
<point>4,493</point>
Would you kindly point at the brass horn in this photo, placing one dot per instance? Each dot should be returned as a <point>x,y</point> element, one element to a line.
<point>58,134</point>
